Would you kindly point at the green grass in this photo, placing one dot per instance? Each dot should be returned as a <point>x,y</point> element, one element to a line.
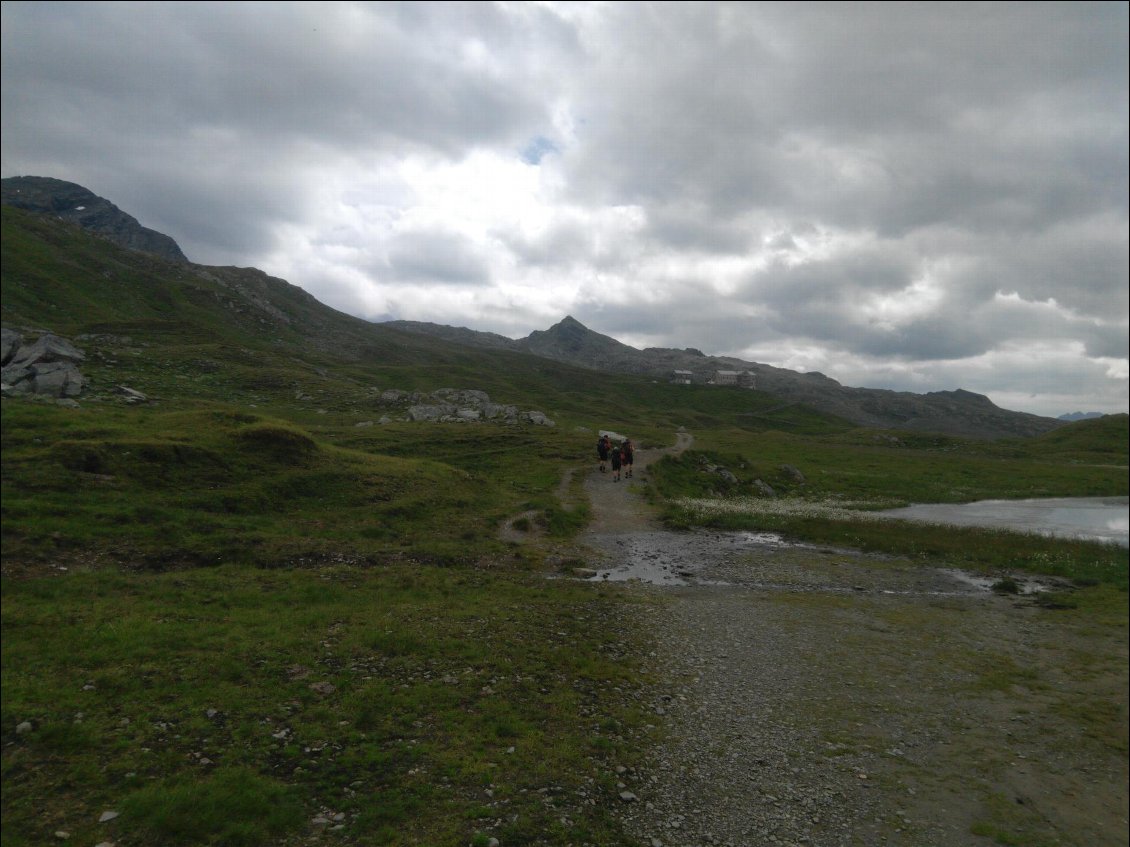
<point>210,484</point>
<point>394,695</point>
<point>233,610</point>
<point>829,507</point>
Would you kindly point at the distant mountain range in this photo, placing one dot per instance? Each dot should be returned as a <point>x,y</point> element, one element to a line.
<point>957,412</point>
<point>1080,416</point>
<point>275,302</point>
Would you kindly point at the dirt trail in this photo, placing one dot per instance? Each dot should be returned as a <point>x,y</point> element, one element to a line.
<point>618,506</point>
<point>820,697</point>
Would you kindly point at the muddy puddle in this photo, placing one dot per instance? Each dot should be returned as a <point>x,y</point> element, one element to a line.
<point>668,558</point>
<point>766,561</point>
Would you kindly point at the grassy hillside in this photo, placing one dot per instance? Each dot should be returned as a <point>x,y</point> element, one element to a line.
<point>235,616</point>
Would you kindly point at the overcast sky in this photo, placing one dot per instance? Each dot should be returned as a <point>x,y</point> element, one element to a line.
<point>913,196</point>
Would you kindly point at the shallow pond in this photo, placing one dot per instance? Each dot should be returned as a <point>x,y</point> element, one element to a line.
<point>1089,518</point>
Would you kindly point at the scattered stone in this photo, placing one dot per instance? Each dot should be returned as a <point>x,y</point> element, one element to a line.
<point>628,797</point>
<point>23,727</point>
<point>107,816</point>
<point>539,419</point>
<point>793,474</point>
<point>131,396</point>
<point>764,488</point>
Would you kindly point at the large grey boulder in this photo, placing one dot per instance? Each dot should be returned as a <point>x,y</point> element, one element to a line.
<point>465,397</point>
<point>429,412</point>
<point>47,348</point>
<point>493,411</point>
<point>10,342</point>
<point>47,367</point>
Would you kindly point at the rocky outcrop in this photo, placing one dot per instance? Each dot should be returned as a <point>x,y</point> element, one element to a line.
<point>458,405</point>
<point>73,203</point>
<point>47,367</point>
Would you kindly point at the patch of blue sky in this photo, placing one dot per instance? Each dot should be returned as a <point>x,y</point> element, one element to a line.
<point>538,147</point>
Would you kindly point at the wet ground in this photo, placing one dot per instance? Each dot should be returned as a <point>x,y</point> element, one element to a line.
<point>766,562</point>
<point>821,697</point>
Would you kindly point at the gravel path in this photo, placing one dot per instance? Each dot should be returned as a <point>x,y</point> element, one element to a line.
<point>815,697</point>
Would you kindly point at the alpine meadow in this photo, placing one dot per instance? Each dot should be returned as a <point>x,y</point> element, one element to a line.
<point>280,576</point>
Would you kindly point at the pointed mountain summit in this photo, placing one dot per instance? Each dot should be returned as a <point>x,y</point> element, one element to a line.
<point>75,204</point>
<point>571,341</point>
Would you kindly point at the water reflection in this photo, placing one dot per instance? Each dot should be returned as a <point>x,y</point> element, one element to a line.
<point>1090,518</point>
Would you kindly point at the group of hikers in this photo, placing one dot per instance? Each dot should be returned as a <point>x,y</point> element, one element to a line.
<point>620,456</point>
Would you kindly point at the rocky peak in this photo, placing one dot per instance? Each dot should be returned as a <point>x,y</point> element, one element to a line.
<point>570,340</point>
<point>78,205</point>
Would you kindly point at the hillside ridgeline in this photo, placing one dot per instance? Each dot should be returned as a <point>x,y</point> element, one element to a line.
<point>956,412</point>
<point>263,304</point>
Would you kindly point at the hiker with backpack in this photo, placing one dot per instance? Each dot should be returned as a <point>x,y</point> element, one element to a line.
<point>603,448</point>
<point>617,459</point>
<point>628,456</point>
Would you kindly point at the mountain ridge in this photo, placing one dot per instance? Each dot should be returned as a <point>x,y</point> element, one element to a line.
<point>76,204</point>
<point>269,305</point>
<point>955,412</point>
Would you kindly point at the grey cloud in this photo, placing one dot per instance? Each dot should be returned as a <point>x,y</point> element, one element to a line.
<point>838,282</point>
<point>896,116</point>
<point>207,120</point>
<point>436,257</point>
<point>691,227</point>
<point>694,316</point>
<point>1086,273</point>
<point>563,244</point>
<point>1108,342</point>
<point>345,73</point>
<point>984,142</point>
<point>572,245</point>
